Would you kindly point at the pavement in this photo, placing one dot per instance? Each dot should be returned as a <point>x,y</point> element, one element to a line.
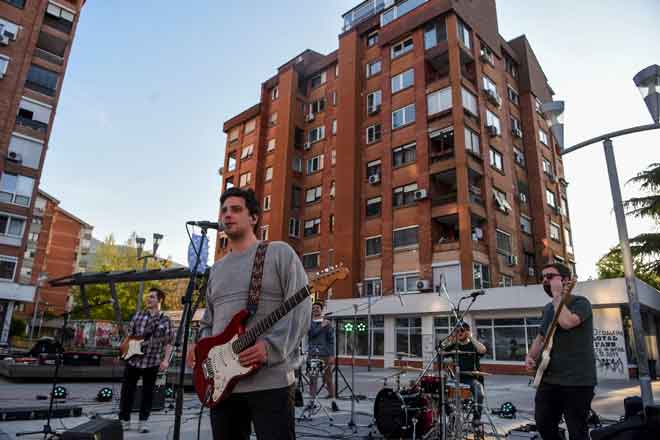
<point>608,404</point>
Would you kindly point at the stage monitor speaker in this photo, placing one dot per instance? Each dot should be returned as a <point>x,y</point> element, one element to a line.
<point>634,428</point>
<point>158,401</point>
<point>96,429</point>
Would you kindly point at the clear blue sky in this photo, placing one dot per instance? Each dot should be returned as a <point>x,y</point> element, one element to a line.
<point>137,141</point>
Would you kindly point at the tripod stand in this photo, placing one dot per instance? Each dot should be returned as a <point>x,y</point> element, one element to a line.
<point>315,368</point>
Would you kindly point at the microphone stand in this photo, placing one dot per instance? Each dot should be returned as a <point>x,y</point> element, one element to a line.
<point>184,331</point>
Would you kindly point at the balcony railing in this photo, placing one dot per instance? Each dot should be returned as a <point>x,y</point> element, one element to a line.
<point>364,11</point>
<point>48,56</point>
<point>440,155</point>
<point>31,123</point>
<point>39,88</point>
<point>58,23</point>
<point>444,199</point>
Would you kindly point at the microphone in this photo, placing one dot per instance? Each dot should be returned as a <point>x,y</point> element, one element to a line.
<point>207,225</point>
<point>477,293</point>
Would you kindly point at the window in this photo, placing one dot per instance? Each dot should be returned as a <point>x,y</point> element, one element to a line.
<point>514,98</point>
<point>547,167</point>
<point>543,137</point>
<point>503,241</point>
<point>4,65</point>
<point>264,233</point>
<point>373,68</point>
<point>271,144</point>
<point>469,102</point>
<point>272,119</point>
<point>269,174</point>
<point>406,283</point>
<point>231,161</point>
<point>294,227</point>
<point>374,207</point>
<point>403,80</point>
<point>538,105</point>
<point>489,85</point>
<point>464,34</point>
<point>331,223</point>
<point>441,143</point>
<point>405,237</point>
<point>250,126</point>
<point>551,198</point>
<point>245,179</point>
<point>311,261</point>
<point>33,114</point>
<point>317,106</point>
<point>41,80</point>
<point>372,287</point>
<point>313,194</point>
<point>26,150</point>
<point>337,70</point>
<point>374,133</point>
<point>358,342</point>
<point>372,39</point>
<point>312,227</point>
<point>267,201</point>
<point>409,336</point>
<point>373,168</point>
<point>439,101</point>
<point>247,151</point>
<point>316,134</point>
<point>510,337</point>
<point>496,160</point>
<point>11,225</point>
<point>434,33</point>
<point>399,10</point>
<point>16,189</point>
<point>401,48</point>
<point>17,3</point>
<point>493,121</point>
<point>296,197</point>
<point>554,231</point>
<point>7,267</point>
<point>568,240</point>
<point>373,246</point>
<point>404,155</point>
<point>333,188</point>
<point>274,93</point>
<point>510,66</point>
<point>506,281</point>
<point>564,207</point>
<point>229,183</point>
<point>501,202</point>
<point>526,224</point>
<point>314,164</point>
<point>374,101</point>
<point>481,275</point>
<point>404,195</point>
<point>472,142</point>
<point>318,80</point>
<point>233,134</point>
<point>333,157</point>
<point>297,164</point>
<point>519,156</point>
<point>59,18</point>
<point>403,116</point>
<point>334,126</point>
<point>516,128</point>
<point>334,97</point>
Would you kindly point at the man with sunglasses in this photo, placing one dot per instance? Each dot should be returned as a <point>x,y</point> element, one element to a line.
<point>462,340</point>
<point>567,387</point>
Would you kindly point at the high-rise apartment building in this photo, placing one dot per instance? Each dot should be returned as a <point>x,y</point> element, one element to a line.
<point>35,41</point>
<point>416,153</point>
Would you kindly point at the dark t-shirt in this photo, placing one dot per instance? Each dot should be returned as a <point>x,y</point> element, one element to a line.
<point>466,362</point>
<point>572,360</point>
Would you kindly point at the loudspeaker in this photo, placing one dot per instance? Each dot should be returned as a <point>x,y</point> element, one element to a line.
<point>97,429</point>
<point>632,406</point>
<point>633,428</point>
<point>158,401</point>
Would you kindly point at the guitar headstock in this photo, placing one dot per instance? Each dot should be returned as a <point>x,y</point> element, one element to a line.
<point>321,281</point>
<point>567,289</point>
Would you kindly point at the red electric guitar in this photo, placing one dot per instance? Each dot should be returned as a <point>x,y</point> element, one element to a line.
<point>217,369</point>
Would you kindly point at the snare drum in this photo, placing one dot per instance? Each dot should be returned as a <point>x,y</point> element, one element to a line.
<point>394,413</point>
<point>315,367</point>
<point>456,388</point>
<point>431,384</point>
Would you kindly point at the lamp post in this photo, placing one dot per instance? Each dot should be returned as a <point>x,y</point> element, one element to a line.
<point>40,282</point>
<point>141,241</point>
<point>648,82</point>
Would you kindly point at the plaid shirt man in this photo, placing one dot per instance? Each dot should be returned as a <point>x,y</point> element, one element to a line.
<point>157,332</point>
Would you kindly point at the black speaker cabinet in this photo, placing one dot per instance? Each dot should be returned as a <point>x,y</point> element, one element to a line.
<point>97,429</point>
<point>158,402</point>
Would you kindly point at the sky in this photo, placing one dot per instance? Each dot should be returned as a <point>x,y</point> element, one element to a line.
<point>137,140</point>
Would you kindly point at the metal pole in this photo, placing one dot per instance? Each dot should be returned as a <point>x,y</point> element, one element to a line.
<point>631,288</point>
<point>369,331</point>
<point>34,314</point>
<point>141,292</point>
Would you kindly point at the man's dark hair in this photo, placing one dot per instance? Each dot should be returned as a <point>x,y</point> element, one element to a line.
<point>465,326</point>
<point>563,270</point>
<point>161,293</point>
<point>318,302</point>
<point>251,202</point>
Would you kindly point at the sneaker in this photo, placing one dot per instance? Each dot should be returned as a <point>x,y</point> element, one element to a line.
<point>335,408</point>
<point>142,427</point>
<point>125,425</point>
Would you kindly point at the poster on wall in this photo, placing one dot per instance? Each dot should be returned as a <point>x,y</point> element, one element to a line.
<point>609,344</point>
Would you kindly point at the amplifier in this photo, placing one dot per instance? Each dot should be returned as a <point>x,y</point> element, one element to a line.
<point>97,429</point>
<point>39,412</point>
<point>81,359</point>
<point>158,402</point>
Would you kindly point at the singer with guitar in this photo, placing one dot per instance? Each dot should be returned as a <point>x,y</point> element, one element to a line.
<point>265,398</point>
<point>154,333</point>
<point>567,384</point>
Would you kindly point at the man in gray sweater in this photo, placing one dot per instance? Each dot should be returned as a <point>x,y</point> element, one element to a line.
<point>266,398</point>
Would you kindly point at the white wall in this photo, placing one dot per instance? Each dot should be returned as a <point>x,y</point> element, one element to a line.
<point>610,344</point>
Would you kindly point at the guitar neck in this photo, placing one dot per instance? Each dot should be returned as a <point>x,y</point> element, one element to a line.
<point>250,337</point>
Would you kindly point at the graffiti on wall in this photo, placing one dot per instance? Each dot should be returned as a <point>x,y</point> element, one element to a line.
<point>609,347</point>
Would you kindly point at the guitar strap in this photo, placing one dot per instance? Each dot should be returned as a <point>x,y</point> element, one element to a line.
<point>257,275</point>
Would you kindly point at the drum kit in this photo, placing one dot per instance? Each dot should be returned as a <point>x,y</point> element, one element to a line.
<point>436,405</point>
<point>314,369</point>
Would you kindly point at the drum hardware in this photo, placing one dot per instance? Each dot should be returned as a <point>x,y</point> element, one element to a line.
<point>315,367</point>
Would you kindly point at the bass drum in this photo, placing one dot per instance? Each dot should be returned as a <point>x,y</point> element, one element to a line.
<point>394,413</point>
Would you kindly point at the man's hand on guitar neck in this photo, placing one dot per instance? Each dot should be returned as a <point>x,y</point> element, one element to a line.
<point>255,355</point>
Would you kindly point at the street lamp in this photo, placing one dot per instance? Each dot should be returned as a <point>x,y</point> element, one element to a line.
<point>141,241</point>
<point>648,81</point>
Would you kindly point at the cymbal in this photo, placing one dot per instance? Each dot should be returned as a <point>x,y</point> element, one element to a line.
<point>450,353</point>
<point>476,373</point>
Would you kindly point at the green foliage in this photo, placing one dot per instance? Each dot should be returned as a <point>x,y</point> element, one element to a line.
<point>17,327</point>
<point>610,265</point>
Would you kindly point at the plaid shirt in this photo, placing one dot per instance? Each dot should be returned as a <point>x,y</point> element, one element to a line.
<point>157,332</point>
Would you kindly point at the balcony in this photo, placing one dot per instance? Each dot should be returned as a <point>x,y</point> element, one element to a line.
<point>479,236</point>
<point>445,233</point>
<point>51,48</point>
<point>441,145</point>
<point>475,191</point>
<point>443,188</point>
<point>363,11</point>
<point>31,123</point>
<point>49,57</point>
<point>59,19</point>
<point>437,58</point>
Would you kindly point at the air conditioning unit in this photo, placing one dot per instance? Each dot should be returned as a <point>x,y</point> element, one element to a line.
<point>516,132</point>
<point>424,286</point>
<point>309,117</point>
<point>477,234</point>
<point>531,272</point>
<point>307,145</point>
<point>374,179</point>
<point>523,198</point>
<point>511,260</point>
<point>492,131</point>
<point>15,157</point>
<point>420,194</point>
<point>374,110</point>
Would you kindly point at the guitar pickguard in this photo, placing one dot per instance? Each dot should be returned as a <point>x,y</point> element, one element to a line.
<point>221,366</point>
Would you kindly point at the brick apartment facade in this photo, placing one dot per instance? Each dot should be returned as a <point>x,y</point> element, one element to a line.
<point>415,153</point>
<point>35,42</point>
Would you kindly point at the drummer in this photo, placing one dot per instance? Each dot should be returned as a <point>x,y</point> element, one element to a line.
<point>463,340</point>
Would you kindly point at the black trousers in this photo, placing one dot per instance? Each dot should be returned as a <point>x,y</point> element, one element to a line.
<point>131,376</point>
<point>553,401</point>
<point>270,411</point>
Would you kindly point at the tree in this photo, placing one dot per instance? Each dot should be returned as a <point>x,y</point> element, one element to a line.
<point>647,245</point>
<point>113,257</point>
<point>610,265</point>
